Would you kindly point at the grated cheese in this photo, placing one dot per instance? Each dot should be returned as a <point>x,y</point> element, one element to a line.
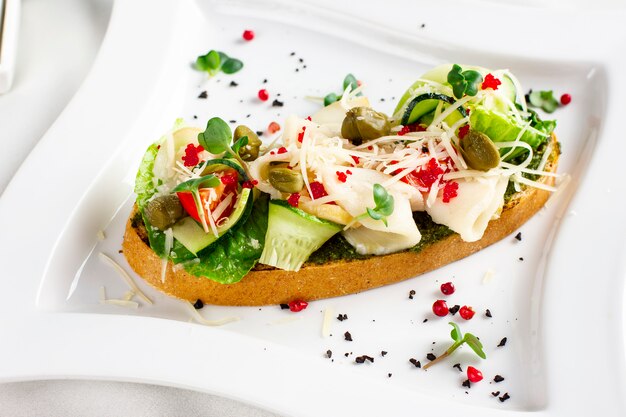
<point>198,317</point>
<point>327,321</point>
<point>488,277</point>
<point>131,283</point>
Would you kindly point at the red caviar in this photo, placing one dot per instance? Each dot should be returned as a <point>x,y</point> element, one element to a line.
<point>566,99</point>
<point>356,159</point>
<point>301,134</point>
<point>282,149</point>
<point>405,129</point>
<point>273,128</point>
<point>428,174</point>
<point>248,35</point>
<point>317,190</point>
<point>450,190</point>
<point>294,199</point>
<point>490,82</point>
<point>341,176</point>
<point>191,158</point>
<point>297,305</point>
<point>263,94</point>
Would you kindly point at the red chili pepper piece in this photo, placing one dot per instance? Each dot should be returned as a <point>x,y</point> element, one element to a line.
<point>191,158</point>
<point>294,199</point>
<point>466,312</point>
<point>341,176</point>
<point>248,35</point>
<point>301,134</point>
<point>566,99</point>
<point>440,308</point>
<point>490,82</point>
<point>450,190</point>
<point>317,190</point>
<point>263,94</point>
<point>297,305</point>
<point>474,375</point>
<point>463,131</point>
<point>447,288</point>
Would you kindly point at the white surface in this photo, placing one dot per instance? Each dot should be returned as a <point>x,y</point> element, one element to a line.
<point>229,354</point>
<point>9,26</point>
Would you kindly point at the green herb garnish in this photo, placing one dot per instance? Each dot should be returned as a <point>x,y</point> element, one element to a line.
<point>458,337</point>
<point>217,138</point>
<point>543,99</point>
<point>464,82</point>
<point>382,210</point>
<point>349,80</point>
<point>214,61</point>
<point>193,186</point>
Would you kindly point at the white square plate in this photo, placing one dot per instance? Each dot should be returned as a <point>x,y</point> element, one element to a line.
<point>560,308</point>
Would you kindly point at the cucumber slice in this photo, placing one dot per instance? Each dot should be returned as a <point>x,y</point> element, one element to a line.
<point>427,103</point>
<point>293,235</point>
<point>217,165</point>
<point>193,237</point>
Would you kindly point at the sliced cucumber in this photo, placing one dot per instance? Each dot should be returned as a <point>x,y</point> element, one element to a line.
<point>217,165</point>
<point>427,103</point>
<point>293,235</point>
<point>192,236</point>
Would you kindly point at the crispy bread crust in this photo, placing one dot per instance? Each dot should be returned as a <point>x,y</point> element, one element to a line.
<point>312,282</point>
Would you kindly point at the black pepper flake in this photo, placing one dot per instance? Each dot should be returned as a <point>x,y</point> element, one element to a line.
<point>520,258</point>
<point>198,304</point>
<point>277,103</point>
<point>423,25</point>
<point>259,133</point>
<point>120,251</point>
<point>284,306</point>
<point>233,84</point>
<point>502,342</point>
<point>203,94</point>
<point>329,353</point>
<point>363,358</point>
<point>488,313</point>
<point>389,375</point>
<point>347,336</point>
<point>301,60</point>
<point>383,353</point>
<point>304,67</point>
<point>248,116</point>
<point>518,236</point>
<point>265,81</point>
<point>467,383</point>
<point>346,354</point>
<point>495,393</point>
<point>505,397</point>
<point>195,117</point>
<point>411,294</point>
<point>232,121</point>
<point>342,317</point>
<point>424,149</point>
<point>292,54</point>
<point>297,70</point>
<point>431,357</point>
<point>415,362</point>
<point>458,366</point>
<point>454,309</point>
<point>424,321</point>
<point>382,99</point>
<point>498,378</point>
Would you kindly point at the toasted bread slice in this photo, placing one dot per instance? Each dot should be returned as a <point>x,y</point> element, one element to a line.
<point>264,286</point>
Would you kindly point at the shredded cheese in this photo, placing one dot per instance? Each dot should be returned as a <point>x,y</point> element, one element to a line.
<point>131,283</point>
<point>327,321</point>
<point>198,317</point>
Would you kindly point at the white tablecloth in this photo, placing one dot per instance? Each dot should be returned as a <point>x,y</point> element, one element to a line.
<point>58,41</point>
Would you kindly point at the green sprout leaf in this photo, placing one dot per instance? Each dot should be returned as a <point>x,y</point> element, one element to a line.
<point>192,185</point>
<point>464,82</point>
<point>231,66</point>
<point>216,137</point>
<point>215,61</point>
<point>459,339</point>
<point>544,100</point>
<point>350,80</point>
<point>241,142</point>
<point>330,99</point>
<point>384,204</point>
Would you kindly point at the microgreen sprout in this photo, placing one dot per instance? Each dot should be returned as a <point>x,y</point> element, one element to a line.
<point>383,207</point>
<point>464,82</point>
<point>459,339</point>
<point>349,80</point>
<point>215,61</point>
<point>217,138</point>
<point>543,99</point>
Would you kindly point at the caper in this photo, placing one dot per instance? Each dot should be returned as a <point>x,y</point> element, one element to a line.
<point>479,151</point>
<point>250,152</point>
<point>164,211</point>
<point>285,179</point>
<point>363,124</point>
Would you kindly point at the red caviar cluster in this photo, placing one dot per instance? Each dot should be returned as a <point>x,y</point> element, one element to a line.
<point>191,158</point>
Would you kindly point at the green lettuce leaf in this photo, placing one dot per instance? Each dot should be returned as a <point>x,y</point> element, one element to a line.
<point>230,258</point>
<point>144,184</point>
<point>502,128</point>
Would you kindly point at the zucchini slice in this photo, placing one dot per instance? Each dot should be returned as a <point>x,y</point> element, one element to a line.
<point>427,103</point>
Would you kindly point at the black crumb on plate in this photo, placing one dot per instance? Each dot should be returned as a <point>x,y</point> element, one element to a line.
<point>284,306</point>
<point>498,378</point>
<point>259,133</point>
<point>518,236</point>
<point>502,342</point>
<point>363,358</point>
<point>424,321</point>
<point>411,294</point>
<point>389,375</point>
<point>520,258</point>
<point>203,94</point>
<point>458,366</point>
<point>233,84</point>
<point>277,103</point>
<point>342,317</point>
<point>415,362</point>
<point>454,309</point>
<point>505,397</point>
<point>431,357</point>
<point>383,353</point>
<point>347,336</point>
<point>198,304</point>
<point>467,383</point>
<point>329,353</point>
<point>495,393</point>
<point>488,313</point>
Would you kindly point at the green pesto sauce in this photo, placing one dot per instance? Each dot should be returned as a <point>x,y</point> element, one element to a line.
<point>337,248</point>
